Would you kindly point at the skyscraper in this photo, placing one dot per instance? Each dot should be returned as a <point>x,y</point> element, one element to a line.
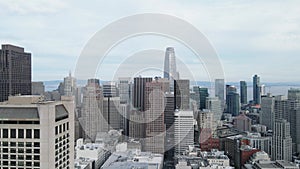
<point>93,119</point>
<point>184,131</point>
<point>182,94</point>
<point>214,105</point>
<point>267,115</point>
<point>219,89</point>
<point>282,141</point>
<point>111,108</point>
<point>15,72</point>
<point>203,95</point>
<point>169,122</point>
<point>109,89</point>
<point>256,90</point>
<point>36,133</point>
<point>243,92</point>
<point>139,92</point>
<point>69,86</point>
<point>170,71</point>
<point>155,126</point>
<point>124,90</point>
<point>294,117</point>
<point>233,103</point>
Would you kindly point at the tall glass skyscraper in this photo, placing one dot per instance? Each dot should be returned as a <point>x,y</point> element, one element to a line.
<point>170,72</point>
<point>243,92</point>
<point>256,90</point>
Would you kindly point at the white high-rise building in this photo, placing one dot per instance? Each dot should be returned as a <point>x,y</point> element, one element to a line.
<point>124,89</point>
<point>93,119</point>
<point>220,90</point>
<point>69,86</point>
<point>184,131</point>
<point>36,133</point>
<point>214,105</point>
<point>282,141</point>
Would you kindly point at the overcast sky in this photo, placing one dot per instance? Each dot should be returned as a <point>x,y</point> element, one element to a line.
<point>250,36</point>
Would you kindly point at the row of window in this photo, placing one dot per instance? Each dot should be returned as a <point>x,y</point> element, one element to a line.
<point>20,150</point>
<point>61,128</point>
<point>20,157</point>
<point>19,144</point>
<point>19,163</point>
<point>20,133</point>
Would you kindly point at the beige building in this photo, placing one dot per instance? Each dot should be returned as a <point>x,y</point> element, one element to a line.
<point>36,134</point>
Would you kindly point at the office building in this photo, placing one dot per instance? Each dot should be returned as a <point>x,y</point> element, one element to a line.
<point>182,94</point>
<point>155,126</point>
<point>243,92</point>
<point>15,72</point>
<point>139,92</point>
<point>124,90</point>
<point>203,95</point>
<point>267,111</point>
<point>294,117</point>
<point>242,123</point>
<point>137,126</point>
<point>214,105</point>
<point>111,110</point>
<point>109,89</point>
<point>256,90</point>
<point>184,131</point>
<point>282,141</point>
<point>170,71</point>
<point>37,133</point>
<point>69,86</point>
<point>92,118</point>
<point>37,88</point>
<point>219,89</point>
<point>233,103</point>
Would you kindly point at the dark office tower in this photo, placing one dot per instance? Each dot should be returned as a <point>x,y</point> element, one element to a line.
<point>243,92</point>
<point>139,92</point>
<point>256,90</point>
<point>203,95</point>
<point>233,103</point>
<point>182,94</point>
<point>229,89</point>
<point>219,89</point>
<point>170,72</point>
<point>169,121</point>
<point>15,72</point>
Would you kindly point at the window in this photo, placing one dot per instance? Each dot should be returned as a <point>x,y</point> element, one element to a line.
<point>64,127</point>
<point>28,133</point>
<point>36,144</point>
<point>56,130</point>
<point>36,151</point>
<point>13,133</point>
<point>20,133</point>
<point>5,133</point>
<point>20,144</point>
<point>36,133</point>
<point>28,151</point>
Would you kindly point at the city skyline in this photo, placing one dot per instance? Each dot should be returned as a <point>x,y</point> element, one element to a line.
<point>275,39</point>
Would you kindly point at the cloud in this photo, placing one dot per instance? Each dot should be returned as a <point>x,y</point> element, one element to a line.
<point>243,32</point>
<point>32,6</point>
